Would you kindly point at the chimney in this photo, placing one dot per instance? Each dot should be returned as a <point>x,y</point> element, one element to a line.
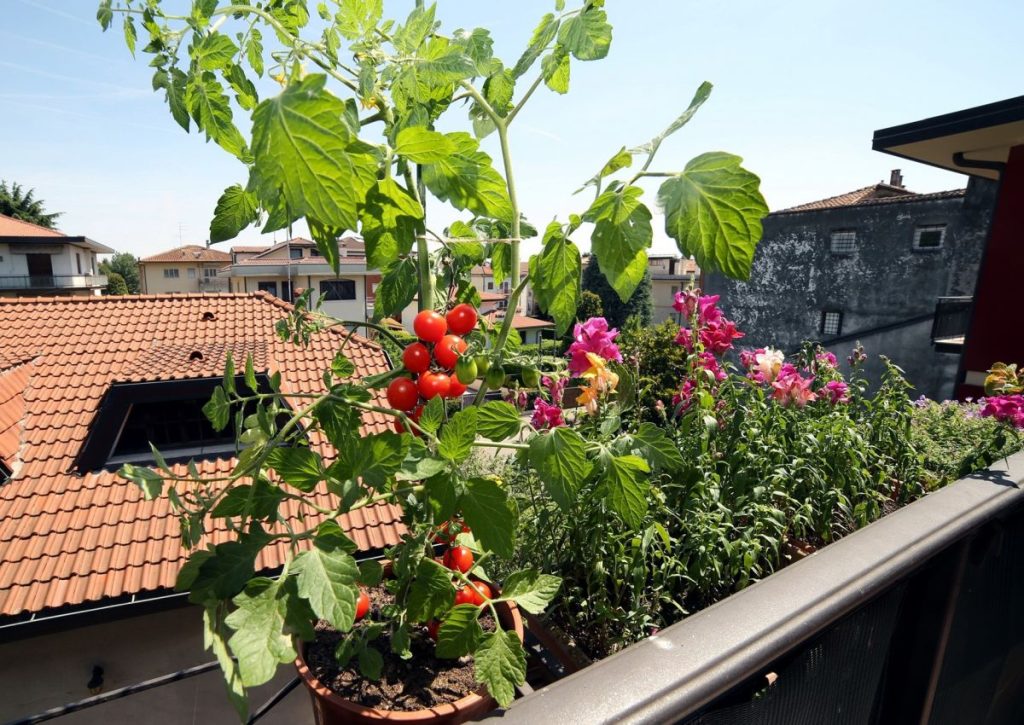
<point>896,178</point>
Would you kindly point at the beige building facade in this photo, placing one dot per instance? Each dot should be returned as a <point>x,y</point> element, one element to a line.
<point>192,268</point>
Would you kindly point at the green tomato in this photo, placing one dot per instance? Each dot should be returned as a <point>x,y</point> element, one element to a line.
<point>483,364</point>
<point>496,376</point>
<point>466,370</point>
<point>531,378</point>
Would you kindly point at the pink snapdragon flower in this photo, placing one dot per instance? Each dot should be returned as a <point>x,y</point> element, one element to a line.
<point>717,336</point>
<point>710,363</point>
<point>685,338</point>
<point>836,391</point>
<point>682,400</point>
<point>592,336</point>
<point>766,365</point>
<point>791,388</point>
<point>545,415</point>
<point>1005,408</point>
<point>706,306</point>
<point>555,388</point>
<point>826,358</point>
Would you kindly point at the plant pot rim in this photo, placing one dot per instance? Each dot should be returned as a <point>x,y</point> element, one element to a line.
<point>446,711</point>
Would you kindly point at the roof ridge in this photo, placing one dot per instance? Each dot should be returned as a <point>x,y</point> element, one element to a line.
<point>127,298</point>
<point>908,196</point>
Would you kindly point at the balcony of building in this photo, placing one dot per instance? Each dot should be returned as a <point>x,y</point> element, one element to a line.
<point>51,283</point>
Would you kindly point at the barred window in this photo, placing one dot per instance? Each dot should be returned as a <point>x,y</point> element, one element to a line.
<point>171,274</point>
<point>844,242</point>
<point>831,322</point>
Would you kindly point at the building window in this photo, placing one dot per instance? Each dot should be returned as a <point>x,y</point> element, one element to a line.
<point>169,425</point>
<point>315,253</point>
<point>270,287</point>
<point>295,252</point>
<point>78,261</point>
<point>209,272</point>
<point>929,237</point>
<point>844,242</point>
<point>337,289</point>
<point>171,273</point>
<point>831,323</point>
<point>191,272</point>
<point>490,285</point>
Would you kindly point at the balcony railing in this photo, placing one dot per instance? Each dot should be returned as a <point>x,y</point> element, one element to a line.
<point>914,619</point>
<point>213,284</point>
<point>52,281</point>
<point>952,318</point>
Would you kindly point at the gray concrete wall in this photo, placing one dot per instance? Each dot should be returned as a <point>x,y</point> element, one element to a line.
<point>795,277</point>
<point>50,670</point>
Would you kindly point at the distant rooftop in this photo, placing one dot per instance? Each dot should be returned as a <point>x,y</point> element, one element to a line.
<point>16,230</point>
<point>189,253</point>
<point>880,193</point>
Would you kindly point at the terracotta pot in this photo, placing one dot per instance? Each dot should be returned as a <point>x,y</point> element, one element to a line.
<point>330,708</point>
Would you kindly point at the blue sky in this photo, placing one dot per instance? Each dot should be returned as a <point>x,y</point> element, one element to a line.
<point>799,89</point>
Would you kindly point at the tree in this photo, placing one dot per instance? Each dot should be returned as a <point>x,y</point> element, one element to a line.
<point>125,265</point>
<point>589,306</point>
<point>115,284</point>
<point>615,310</point>
<point>16,203</point>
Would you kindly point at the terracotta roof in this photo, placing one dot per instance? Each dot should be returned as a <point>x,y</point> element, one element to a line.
<point>254,250</point>
<point>13,382</point>
<point>68,538</point>
<point>875,194</point>
<point>189,253</point>
<point>493,296</point>
<point>519,322</point>
<point>11,227</point>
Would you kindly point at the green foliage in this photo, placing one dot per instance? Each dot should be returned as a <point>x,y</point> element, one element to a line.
<point>20,204</point>
<point>127,266</point>
<point>115,285</point>
<point>617,312</point>
<point>661,363</point>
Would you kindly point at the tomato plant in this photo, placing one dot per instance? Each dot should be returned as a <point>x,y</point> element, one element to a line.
<point>402,394</point>
<point>448,350</point>
<point>362,604</point>
<point>466,370</point>
<point>495,376</point>
<point>462,319</point>
<point>416,358</point>
<point>430,326</point>
<point>479,592</point>
<point>456,388</point>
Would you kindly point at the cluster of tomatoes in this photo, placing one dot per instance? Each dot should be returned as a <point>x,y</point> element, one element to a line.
<point>459,558</point>
<point>437,361</point>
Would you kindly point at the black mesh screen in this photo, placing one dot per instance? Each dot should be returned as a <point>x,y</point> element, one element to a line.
<point>982,677</point>
<point>835,679</point>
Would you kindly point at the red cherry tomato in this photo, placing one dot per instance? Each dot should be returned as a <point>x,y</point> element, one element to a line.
<point>464,596</point>
<point>432,628</point>
<point>402,394</point>
<point>479,592</point>
<point>401,427</point>
<point>362,605</point>
<point>458,557</point>
<point>416,358</point>
<point>429,326</point>
<point>433,384</point>
<point>447,351</point>
<point>455,388</point>
<point>461,319</point>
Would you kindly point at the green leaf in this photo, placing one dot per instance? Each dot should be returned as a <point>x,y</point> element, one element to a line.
<point>173,84</point>
<point>713,210</point>
<point>500,665</point>
<point>259,642</point>
<point>327,580</point>
<point>341,366</point>
<point>130,35</point>
<point>442,495</point>
<point>587,35</point>
<point>456,440</point>
<point>151,482</point>
<point>397,289</point>
<point>218,409</point>
<point>214,51</point>
<point>254,51</point>
<point>410,36</point>
<point>555,69</point>
<point>375,459</point>
<point>330,535</point>
<point>340,422</point>
<point>501,262</point>
<point>224,573</point>
<point>560,460</point>
<point>488,511</point>
<point>423,146</point>
<point>557,283</point>
<point>659,450</point>
<point>356,18</point>
<point>531,590</point>
<point>498,420</point>
<point>104,14</point>
<point>420,464</point>
<point>460,632</point>
<point>305,153</point>
<point>431,592</point>
<point>622,233</point>
<point>370,572</point>
<point>211,110</point>
<point>543,34</point>
<point>467,179</point>
<point>299,467</point>
<point>213,640</point>
<point>432,415</point>
<point>621,160</point>
<point>702,94</point>
<point>245,91</point>
<point>371,662</point>
<point>390,222</point>
<point>626,486</point>
<point>236,209</point>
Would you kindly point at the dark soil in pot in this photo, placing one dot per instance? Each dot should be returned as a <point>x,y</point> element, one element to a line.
<point>421,682</point>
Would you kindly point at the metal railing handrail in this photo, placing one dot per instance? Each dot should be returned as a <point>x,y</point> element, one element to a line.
<point>41,281</point>
<point>688,665</point>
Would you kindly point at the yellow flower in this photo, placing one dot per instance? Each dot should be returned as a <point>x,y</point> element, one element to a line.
<point>602,382</point>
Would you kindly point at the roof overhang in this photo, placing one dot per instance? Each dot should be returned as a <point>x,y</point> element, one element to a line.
<point>975,141</point>
<point>61,239</point>
<point>241,269</point>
